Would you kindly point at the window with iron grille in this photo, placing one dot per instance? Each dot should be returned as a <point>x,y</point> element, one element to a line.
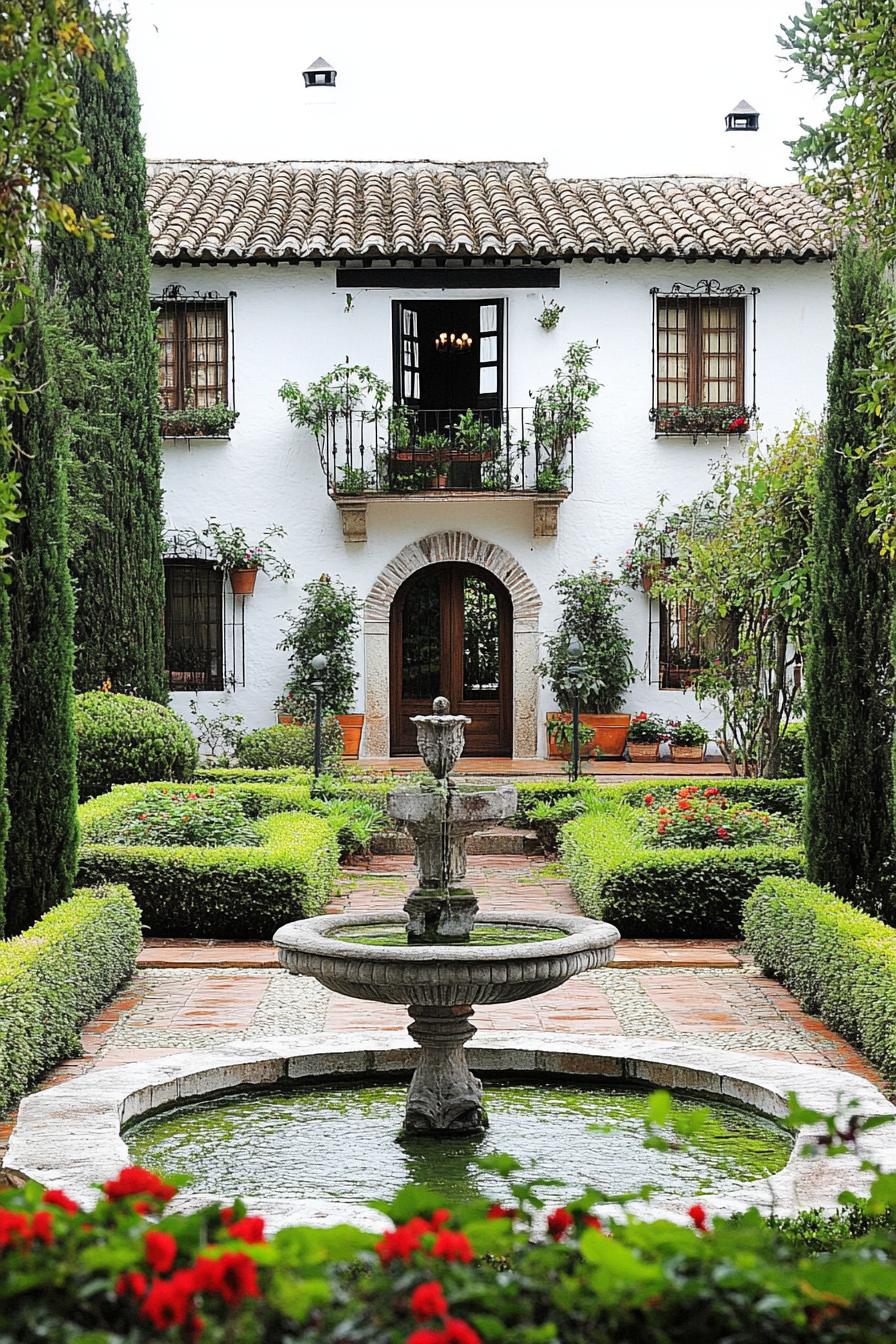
<point>194,625</point>
<point>699,370</point>
<point>194,333</point>
<point>686,644</point>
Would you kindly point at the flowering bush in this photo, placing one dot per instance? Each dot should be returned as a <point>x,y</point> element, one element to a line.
<point>647,728</point>
<point>701,818</point>
<point>127,1272</point>
<point>234,551</point>
<point>687,734</point>
<point>199,815</point>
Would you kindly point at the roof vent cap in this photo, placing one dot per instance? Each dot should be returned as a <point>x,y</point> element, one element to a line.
<point>742,118</point>
<point>319,75</point>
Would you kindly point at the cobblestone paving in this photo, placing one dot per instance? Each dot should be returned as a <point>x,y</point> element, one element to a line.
<point>702,992</point>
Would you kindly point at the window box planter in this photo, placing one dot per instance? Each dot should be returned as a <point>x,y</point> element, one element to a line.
<point>694,420</point>
<point>608,742</point>
<point>352,726</point>
<point>242,581</point>
<point>679,678</point>
<point>198,422</point>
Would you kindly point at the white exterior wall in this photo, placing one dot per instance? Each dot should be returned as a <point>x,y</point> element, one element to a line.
<point>290,322</point>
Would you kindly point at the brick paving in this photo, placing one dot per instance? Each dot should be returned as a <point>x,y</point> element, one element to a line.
<point>197,993</point>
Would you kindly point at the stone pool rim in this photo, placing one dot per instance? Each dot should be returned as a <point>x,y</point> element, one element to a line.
<point>70,1135</point>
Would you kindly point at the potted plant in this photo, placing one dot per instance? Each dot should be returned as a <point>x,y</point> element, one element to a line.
<point>475,440</point>
<point>354,481</point>
<point>645,734</point>
<point>436,448</point>
<point>197,422</point>
<point>703,419</point>
<point>561,411</point>
<point>559,728</point>
<point>589,612</point>
<point>687,740</point>
<point>327,621</point>
<point>285,707</point>
<point>242,560</point>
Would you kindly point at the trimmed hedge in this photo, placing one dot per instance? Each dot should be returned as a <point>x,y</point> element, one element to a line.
<point>839,962</point>
<point>122,739</point>
<point>55,975</point>
<point>230,891</point>
<point>285,774</point>
<point>256,800</point>
<point>290,744</point>
<point>784,797</point>
<point>663,893</point>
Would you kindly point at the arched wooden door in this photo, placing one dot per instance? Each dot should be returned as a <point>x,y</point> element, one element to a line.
<point>450,634</point>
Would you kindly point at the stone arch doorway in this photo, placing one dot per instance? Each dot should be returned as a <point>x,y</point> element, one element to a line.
<point>453,549</point>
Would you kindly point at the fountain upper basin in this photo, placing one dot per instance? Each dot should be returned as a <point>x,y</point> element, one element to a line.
<point>430,807</point>
<point>444,975</point>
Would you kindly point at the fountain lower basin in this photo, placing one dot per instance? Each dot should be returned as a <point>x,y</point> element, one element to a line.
<point>440,985</point>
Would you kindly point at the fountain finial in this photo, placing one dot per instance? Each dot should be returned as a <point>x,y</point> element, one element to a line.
<point>440,737</point>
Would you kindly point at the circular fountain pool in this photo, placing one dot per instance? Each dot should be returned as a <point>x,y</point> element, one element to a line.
<point>482,934</point>
<point>339,1144</point>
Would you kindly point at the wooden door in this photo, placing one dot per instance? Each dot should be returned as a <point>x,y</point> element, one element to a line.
<point>451,633</point>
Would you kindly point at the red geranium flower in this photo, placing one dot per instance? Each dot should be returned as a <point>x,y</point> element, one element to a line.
<point>133,1282</point>
<point>559,1223</point>
<point>425,1337</point>
<point>648,800</point>
<point>498,1211</point>
<point>160,1250</point>
<point>401,1244</point>
<point>42,1227</point>
<point>452,1246</point>
<point>722,833</point>
<point>169,1301</point>
<point>60,1200</point>
<point>459,1332</point>
<point>428,1299</point>
<point>592,1220</point>
<point>232,1276</point>
<point>697,1215</point>
<point>710,793</point>
<point>137,1181</point>
<point>13,1227</point>
<point>250,1230</point>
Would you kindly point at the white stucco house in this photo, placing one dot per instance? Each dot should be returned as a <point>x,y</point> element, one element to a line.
<point>699,292</point>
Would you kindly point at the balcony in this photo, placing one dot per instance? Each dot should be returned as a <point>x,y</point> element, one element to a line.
<point>520,453</point>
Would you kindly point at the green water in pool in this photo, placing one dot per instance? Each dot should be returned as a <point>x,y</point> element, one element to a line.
<point>483,935</point>
<point>339,1143</point>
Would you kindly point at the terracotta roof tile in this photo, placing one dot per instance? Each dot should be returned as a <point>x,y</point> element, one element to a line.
<point>288,211</point>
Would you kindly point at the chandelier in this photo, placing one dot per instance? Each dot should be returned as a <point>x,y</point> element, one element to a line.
<point>451,341</point>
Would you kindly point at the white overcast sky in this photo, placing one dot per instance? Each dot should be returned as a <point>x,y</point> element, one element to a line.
<point>595,87</point>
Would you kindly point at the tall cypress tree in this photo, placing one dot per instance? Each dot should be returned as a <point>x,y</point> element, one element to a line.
<point>41,777</point>
<point>849,678</point>
<point>119,580</point>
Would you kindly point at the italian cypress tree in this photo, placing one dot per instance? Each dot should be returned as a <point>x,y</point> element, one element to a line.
<point>119,580</point>
<point>849,679</point>
<point>41,777</point>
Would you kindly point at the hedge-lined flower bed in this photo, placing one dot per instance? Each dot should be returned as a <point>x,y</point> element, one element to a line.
<point>55,975</point>
<point>225,891</point>
<point>839,962</point>
<point>667,893</point>
<point>784,797</point>
<point>472,1275</point>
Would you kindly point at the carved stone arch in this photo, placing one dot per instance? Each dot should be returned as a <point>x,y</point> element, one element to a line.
<point>459,548</point>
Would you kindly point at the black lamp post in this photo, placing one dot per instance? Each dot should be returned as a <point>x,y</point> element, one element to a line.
<point>574,671</point>
<point>318,666</point>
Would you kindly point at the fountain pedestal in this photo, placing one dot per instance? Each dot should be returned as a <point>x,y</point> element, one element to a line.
<point>444,1096</point>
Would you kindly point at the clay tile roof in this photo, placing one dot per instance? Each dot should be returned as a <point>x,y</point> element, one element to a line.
<point>210,211</point>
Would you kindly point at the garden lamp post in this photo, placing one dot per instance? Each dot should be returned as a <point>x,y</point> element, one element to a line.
<point>574,671</point>
<point>318,667</point>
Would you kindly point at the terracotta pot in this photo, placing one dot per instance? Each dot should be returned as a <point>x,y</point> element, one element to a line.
<point>286,718</point>
<point>686,753</point>
<point>442,480</point>
<point>643,751</point>
<point>351,725</point>
<point>242,581</point>
<point>648,574</point>
<point>610,734</point>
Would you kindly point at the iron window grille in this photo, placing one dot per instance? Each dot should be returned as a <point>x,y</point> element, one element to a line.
<point>699,371</point>
<point>204,620</point>
<point>684,647</point>
<point>197,370</point>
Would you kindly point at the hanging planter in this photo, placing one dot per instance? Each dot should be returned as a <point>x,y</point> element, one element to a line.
<point>242,581</point>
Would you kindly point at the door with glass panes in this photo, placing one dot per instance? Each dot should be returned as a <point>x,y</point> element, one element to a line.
<point>451,635</point>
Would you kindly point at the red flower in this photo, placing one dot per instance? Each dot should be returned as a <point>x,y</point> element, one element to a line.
<point>710,793</point>
<point>13,1227</point>
<point>133,1282</point>
<point>143,1207</point>
<point>226,1216</point>
<point>60,1200</point>
<point>639,718</point>
<point>137,1181</point>
<point>428,1299</point>
<point>592,1220</point>
<point>452,1246</point>
<point>498,1211</point>
<point>459,1332</point>
<point>425,1337</point>
<point>559,1223</point>
<point>250,1230</point>
<point>722,833</point>
<point>160,1250</point>
<point>648,800</point>
<point>401,1244</point>
<point>42,1227</point>
<point>738,423</point>
<point>439,1218</point>
<point>169,1301</point>
<point>697,1215</point>
<point>232,1276</point>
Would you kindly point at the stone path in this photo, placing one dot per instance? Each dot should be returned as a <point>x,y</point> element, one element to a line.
<point>198,993</point>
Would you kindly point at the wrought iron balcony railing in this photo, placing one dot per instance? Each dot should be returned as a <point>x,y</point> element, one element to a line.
<point>403,450</point>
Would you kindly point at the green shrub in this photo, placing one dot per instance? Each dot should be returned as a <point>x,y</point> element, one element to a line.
<point>781,796</point>
<point>55,975</point>
<point>792,751</point>
<point>204,815</point>
<point>290,744</point>
<point>531,792</point>
<point>122,739</point>
<point>677,893</point>
<point>229,892</point>
<point>548,818</point>
<point>284,774</point>
<point>839,962</point>
<point>705,819</point>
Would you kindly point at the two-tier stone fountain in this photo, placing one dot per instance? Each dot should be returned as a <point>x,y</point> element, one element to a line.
<point>437,956</point>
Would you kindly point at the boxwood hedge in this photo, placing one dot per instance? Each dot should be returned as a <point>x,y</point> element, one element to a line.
<point>839,962</point>
<point>228,891</point>
<point>55,975</point>
<point>663,893</point>
<point>290,744</point>
<point>781,796</point>
<point>122,739</point>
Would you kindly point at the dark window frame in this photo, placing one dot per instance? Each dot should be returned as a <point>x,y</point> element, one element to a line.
<point>694,299</point>
<point>176,303</point>
<point>201,584</point>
